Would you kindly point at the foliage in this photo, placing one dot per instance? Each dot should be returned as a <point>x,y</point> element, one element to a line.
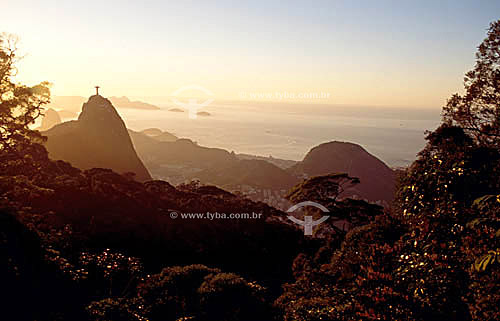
<point>481,248</point>
<point>20,105</point>
<point>100,230</point>
<point>327,190</point>
<point>478,110</point>
<point>322,189</point>
<point>95,244</point>
<point>442,199</point>
<point>356,283</point>
<point>193,292</point>
<point>434,258</point>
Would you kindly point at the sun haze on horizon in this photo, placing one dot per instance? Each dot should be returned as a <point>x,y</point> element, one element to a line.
<point>389,54</point>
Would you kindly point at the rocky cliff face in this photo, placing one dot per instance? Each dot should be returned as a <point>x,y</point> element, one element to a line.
<point>98,138</point>
<point>377,179</point>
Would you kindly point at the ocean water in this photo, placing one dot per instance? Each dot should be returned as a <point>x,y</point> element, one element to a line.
<point>289,131</point>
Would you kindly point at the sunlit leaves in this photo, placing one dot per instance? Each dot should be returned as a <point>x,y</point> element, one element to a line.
<point>482,263</point>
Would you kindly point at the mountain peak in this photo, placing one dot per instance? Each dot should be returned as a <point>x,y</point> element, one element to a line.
<point>102,139</point>
<point>97,101</point>
<point>377,179</point>
<point>100,110</point>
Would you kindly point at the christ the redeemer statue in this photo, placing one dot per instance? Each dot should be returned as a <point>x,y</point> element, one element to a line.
<point>97,90</point>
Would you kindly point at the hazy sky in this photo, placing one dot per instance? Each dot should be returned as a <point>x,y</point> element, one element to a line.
<point>399,53</point>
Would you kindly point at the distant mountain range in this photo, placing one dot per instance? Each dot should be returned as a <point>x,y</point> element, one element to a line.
<point>281,163</point>
<point>252,172</point>
<point>98,138</point>
<point>50,119</point>
<point>74,103</point>
<point>124,102</point>
<point>68,103</point>
<point>200,113</point>
<point>183,160</point>
<point>181,152</point>
<point>160,135</point>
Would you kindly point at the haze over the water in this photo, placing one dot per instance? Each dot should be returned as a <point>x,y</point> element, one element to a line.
<point>388,53</point>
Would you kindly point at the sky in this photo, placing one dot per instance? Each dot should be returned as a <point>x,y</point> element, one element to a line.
<point>380,53</point>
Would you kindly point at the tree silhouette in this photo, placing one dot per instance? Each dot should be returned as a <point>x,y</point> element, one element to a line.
<point>322,189</point>
<point>20,105</point>
<point>478,110</point>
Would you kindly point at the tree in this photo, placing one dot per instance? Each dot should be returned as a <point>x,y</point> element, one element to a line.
<point>446,232</point>
<point>327,191</point>
<point>478,110</point>
<point>356,283</point>
<point>193,292</point>
<point>20,105</point>
<point>322,189</point>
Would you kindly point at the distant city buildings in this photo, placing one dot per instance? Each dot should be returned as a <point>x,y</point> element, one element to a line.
<point>272,197</point>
